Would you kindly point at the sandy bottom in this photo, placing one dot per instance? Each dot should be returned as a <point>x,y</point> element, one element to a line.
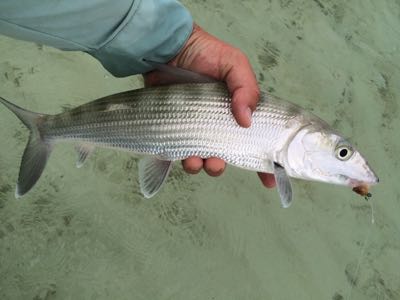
<point>89,234</point>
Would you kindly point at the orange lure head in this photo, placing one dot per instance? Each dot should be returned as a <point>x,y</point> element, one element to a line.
<point>363,190</point>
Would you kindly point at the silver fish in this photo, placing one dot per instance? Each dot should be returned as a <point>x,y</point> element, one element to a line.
<point>174,122</point>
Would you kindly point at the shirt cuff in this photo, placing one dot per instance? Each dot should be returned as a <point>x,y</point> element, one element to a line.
<point>155,30</point>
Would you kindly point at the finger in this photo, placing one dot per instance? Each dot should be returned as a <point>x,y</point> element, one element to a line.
<point>214,166</point>
<point>192,165</point>
<point>242,84</point>
<point>267,179</point>
<point>241,110</point>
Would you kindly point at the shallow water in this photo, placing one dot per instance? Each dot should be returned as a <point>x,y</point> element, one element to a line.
<point>89,234</point>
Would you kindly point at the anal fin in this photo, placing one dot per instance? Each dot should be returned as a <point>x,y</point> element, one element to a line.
<point>152,175</point>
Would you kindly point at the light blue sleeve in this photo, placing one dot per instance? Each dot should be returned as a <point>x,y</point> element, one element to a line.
<point>119,33</point>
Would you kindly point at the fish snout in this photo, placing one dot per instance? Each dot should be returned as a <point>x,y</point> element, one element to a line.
<point>370,179</point>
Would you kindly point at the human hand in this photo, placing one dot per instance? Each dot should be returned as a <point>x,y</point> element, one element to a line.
<point>205,54</point>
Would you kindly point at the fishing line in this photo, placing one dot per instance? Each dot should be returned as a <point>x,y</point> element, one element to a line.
<point>362,252</point>
<point>372,212</point>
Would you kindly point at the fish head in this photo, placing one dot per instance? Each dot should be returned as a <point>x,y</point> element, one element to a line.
<point>323,155</point>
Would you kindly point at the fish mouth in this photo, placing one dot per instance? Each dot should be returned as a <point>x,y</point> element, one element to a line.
<point>361,187</point>
<point>368,182</point>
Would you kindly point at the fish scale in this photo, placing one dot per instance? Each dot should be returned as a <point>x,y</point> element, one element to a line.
<point>179,121</point>
<point>175,122</point>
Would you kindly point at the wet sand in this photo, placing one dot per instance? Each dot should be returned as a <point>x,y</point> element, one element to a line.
<point>88,233</point>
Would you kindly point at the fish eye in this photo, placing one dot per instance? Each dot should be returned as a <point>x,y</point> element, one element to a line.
<point>344,152</point>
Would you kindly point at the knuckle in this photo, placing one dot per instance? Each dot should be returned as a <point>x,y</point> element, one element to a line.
<point>241,57</point>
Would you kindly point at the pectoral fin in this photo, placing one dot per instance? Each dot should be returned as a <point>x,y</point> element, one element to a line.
<point>84,151</point>
<point>283,185</point>
<point>152,175</point>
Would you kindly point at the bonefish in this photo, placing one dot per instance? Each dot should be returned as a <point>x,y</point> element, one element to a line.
<point>174,122</point>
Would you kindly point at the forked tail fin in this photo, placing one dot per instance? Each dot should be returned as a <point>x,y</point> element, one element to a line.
<point>37,150</point>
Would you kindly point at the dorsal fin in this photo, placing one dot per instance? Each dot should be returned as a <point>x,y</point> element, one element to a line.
<point>170,74</point>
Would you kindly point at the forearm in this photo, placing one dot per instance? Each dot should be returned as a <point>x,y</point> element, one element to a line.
<point>118,33</point>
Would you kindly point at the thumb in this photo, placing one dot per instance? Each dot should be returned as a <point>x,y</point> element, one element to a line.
<point>243,87</point>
